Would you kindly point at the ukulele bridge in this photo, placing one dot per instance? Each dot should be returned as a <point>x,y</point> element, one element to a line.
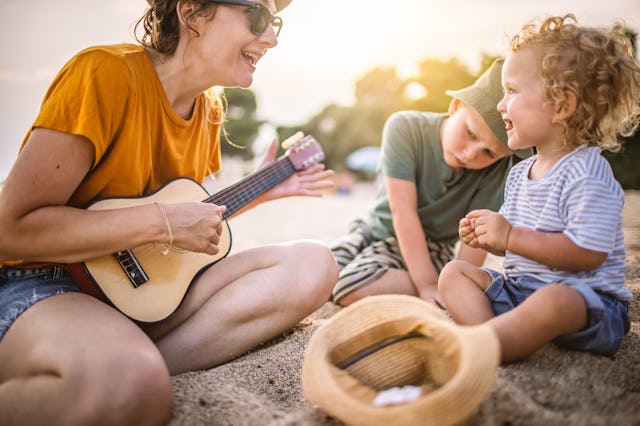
<point>131,267</point>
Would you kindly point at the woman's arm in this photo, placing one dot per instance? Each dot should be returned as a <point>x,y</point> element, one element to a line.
<point>309,182</point>
<point>37,225</point>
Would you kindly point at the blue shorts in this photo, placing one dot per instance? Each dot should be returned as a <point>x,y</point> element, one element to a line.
<point>608,316</point>
<point>22,288</point>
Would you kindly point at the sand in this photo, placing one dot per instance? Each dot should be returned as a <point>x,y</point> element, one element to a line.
<point>552,387</point>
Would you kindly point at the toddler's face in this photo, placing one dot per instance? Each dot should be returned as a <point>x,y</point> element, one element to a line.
<point>467,141</point>
<point>527,115</point>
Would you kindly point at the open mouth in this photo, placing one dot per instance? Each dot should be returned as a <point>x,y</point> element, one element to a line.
<point>252,57</point>
<point>508,125</point>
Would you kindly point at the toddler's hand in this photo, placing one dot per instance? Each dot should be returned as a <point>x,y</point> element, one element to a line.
<point>491,230</point>
<point>466,231</point>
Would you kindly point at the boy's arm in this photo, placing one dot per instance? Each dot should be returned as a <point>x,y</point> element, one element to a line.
<point>403,201</point>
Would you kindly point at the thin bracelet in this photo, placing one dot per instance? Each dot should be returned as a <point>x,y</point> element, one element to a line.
<point>167,249</point>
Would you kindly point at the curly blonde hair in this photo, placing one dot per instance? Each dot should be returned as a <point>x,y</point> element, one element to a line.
<point>598,66</point>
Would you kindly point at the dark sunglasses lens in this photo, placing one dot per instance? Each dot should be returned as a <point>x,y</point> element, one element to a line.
<point>261,18</point>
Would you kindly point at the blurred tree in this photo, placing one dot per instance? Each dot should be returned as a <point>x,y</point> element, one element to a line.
<point>379,93</point>
<point>241,125</point>
<point>341,130</point>
<point>437,76</point>
<point>625,162</point>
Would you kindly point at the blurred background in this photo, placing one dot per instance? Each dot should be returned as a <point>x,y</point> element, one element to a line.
<point>341,68</point>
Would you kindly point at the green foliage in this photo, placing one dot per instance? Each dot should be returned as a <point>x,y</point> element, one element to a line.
<point>241,126</point>
<point>626,163</point>
<point>380,92</point>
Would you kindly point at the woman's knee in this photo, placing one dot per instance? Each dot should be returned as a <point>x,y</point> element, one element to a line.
<point>124,387</point>
<point>316,268</point>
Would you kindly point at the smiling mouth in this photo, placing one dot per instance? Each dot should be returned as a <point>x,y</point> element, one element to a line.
<point>252,57</point>
<point>508,125</point>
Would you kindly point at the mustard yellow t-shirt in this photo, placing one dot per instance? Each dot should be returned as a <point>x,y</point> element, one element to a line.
<point>112,96</point>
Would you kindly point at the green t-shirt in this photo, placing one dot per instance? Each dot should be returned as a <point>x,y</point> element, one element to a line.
<point>412,151</point>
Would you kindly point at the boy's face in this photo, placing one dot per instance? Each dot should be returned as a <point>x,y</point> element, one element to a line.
<point>527,115</point>
<point>467,141</point>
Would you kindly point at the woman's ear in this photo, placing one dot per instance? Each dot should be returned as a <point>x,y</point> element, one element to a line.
<point>185,10</point>
<point>566,107</point>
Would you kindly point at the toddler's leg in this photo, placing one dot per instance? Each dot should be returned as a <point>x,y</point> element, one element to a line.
<point>462,286</point>
<point>552,311</point>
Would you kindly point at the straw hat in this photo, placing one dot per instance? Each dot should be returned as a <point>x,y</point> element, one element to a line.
<point>383,342</point>
<point>483,96</point>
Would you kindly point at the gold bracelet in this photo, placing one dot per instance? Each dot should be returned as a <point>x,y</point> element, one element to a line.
<point>167,249</point>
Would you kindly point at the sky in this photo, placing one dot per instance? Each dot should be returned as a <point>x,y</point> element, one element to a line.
<point>324,48</point>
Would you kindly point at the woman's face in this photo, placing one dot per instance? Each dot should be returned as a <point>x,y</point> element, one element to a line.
<point>227,51</point>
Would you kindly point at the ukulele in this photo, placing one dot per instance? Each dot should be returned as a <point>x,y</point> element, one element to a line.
<point>148,285</point>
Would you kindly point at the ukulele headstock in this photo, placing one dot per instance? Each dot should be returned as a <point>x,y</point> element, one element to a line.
<point>305,153</point>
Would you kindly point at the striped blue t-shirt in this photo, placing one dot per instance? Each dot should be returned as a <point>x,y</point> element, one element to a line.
<point>581,198</point>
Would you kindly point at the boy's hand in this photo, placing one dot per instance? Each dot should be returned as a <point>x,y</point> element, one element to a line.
<point>491,230</point>
<point>431,295</point>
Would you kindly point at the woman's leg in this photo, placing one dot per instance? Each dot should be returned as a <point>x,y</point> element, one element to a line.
<point>244,300</point>
<point>70,359</point>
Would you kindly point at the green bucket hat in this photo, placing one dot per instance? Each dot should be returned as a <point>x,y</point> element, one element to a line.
<point>483,96</point>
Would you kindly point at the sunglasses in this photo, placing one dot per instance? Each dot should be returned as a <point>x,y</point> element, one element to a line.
<point>259,16</point>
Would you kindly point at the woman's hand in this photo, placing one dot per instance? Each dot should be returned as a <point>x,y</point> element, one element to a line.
<point>308,182</point>
<point>195,226</point>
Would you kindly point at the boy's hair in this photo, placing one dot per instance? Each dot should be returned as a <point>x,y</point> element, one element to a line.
<point>598,66</point>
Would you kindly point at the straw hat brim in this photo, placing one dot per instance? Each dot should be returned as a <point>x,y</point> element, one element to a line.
<point>461,361</point>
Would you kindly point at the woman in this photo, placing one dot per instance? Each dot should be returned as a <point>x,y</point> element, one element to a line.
<point>123,121</point>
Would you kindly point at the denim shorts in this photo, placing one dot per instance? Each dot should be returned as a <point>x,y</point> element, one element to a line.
<point>608,316</point>
<point>22,288</point>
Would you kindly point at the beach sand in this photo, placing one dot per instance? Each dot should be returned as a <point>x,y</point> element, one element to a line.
<point>552,387</point>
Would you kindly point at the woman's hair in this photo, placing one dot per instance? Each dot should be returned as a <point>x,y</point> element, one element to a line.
<point>598,66</point>
<point>160,26</point>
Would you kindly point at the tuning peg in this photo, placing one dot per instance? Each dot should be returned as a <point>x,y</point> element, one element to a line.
<point>292,139</point>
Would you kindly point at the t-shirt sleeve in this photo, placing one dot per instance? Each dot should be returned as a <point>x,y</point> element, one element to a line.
<point>398,158</point>
<point>88,98</point>
<point>592,211</point>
